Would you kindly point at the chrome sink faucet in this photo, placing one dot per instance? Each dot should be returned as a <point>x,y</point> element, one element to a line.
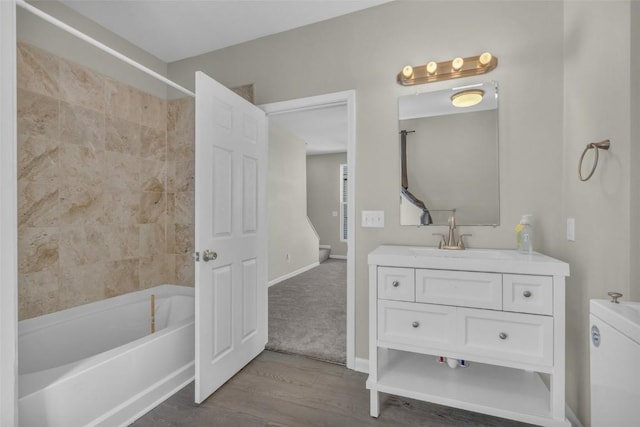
<point>450,242</point>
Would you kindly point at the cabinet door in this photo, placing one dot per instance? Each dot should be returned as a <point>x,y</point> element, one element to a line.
<point>396,283</point>
<point>459,288</point>
<point>514,337</point>
<point>528,294</point>
<point>417,327</point>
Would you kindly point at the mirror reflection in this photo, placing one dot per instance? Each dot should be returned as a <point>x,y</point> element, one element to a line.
<point>449,156</point>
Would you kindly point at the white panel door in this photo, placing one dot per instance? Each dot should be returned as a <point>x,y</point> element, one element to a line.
<point>231,239</point>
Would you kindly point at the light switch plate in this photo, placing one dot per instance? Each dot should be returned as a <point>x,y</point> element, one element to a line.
<point>571,229</point>
<point>373,219</point>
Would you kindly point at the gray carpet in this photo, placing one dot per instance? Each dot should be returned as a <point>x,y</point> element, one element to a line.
<point>307,313</point>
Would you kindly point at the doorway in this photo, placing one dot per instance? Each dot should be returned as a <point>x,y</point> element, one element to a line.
<point>345,100</point>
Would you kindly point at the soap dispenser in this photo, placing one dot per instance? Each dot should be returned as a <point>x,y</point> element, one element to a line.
<point>524,235</point>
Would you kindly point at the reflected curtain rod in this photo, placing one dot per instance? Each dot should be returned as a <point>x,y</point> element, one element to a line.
<point>23,4</point>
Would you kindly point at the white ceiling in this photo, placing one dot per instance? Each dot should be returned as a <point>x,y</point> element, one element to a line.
<point>177,29</point>
<point>324,130</point>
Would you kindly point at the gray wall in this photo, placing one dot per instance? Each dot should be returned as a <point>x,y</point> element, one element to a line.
<point>33,30</point>
<point>538,149</point>
<point>323,198</point>
<point>597,105</point>
<point>634,227</point>
<point>289,230</point>
<point>381,40</point>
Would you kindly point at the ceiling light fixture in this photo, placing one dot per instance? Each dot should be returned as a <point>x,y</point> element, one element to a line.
<point>467,98</point>
<point>456,68</point>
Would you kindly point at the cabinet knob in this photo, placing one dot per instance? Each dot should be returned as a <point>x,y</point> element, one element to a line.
<point>395,283</point>
<point>526,294</point>
<point>503,336</point>
<point>415,324</point>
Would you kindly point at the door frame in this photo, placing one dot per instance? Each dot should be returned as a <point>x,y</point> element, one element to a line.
<point>347,98</point>
<point>8,218</point>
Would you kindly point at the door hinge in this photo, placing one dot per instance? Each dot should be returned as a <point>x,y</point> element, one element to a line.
<point>196,256</point>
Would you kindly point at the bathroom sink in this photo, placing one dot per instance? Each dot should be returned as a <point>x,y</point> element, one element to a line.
<point>496,254</point>
<point>468,259</point>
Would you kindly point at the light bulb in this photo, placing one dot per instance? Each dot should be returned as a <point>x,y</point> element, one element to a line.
<point>457,64</point>
<point>407,72</point>
<point>467,98</point>
<point>431,67</point>
<point>485,59</point>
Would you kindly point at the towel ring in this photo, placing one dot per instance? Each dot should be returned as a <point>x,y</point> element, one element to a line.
<point>602,145</point>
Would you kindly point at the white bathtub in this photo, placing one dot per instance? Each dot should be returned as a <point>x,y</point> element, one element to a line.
<point>99,365</point>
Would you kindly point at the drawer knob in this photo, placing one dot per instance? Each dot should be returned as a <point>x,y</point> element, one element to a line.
<point>526,294</point>
<point>503,336</point>
<point>415,324</point>
<point>395,283</point>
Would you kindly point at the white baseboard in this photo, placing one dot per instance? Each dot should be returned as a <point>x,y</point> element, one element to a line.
<point>292,274</point>
<point>362,365</point>
<point>325,246</point>
<point>338,257</point>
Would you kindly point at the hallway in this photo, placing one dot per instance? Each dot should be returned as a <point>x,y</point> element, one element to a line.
<point>307,313</point>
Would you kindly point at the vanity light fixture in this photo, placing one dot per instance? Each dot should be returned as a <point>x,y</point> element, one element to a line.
<point>456,68</point>
<point>467,98</point>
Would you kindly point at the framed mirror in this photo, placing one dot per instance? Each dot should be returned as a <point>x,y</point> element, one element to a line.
<point>450,156</point>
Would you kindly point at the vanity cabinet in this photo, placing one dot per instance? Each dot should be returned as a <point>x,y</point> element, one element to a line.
<point>499,311</point>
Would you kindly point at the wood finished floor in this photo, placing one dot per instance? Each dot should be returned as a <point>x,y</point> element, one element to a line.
<point>278,389</point>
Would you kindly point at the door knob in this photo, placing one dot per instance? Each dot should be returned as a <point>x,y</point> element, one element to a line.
<point>209,255</point>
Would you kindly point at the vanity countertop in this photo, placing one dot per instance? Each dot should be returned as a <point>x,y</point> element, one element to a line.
<point>489,260</point>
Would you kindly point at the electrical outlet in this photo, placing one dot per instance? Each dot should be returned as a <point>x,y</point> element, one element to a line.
<point>334,213</point>
<point>373,219</point>
<point>571,229</point>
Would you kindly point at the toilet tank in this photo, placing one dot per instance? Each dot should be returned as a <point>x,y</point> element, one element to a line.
<point>615,363</point>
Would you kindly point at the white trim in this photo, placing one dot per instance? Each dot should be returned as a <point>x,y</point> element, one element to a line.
<point>315,232</point>
<point>571,416</point>
<point>338,256</point>
<point>362,365</point>
<point>325,246</point>
<point>8,219</point>
<point>82,36</point>
<point>292,274</point>
<point>342,174</point>
<point>347,98</point>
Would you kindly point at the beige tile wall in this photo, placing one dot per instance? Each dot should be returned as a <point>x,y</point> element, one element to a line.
<point>180,187</point>
<point>105,186</point>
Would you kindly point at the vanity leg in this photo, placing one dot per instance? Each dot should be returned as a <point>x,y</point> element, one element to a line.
<point>557,380</point>
<point>374,403</point>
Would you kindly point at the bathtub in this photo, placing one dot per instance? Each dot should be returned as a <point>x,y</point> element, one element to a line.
<point>100,365</point>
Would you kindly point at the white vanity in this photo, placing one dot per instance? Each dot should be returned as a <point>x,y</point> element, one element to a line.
<point>499,311</point>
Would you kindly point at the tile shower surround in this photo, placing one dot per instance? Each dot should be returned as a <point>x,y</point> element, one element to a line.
<point>105,186</point>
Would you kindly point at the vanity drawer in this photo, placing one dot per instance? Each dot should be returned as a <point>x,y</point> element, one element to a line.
<point>527,294</point>
<point>412,324</point>
<point>514,337</point>
<point>396,283</point>
<point>459,288</point>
